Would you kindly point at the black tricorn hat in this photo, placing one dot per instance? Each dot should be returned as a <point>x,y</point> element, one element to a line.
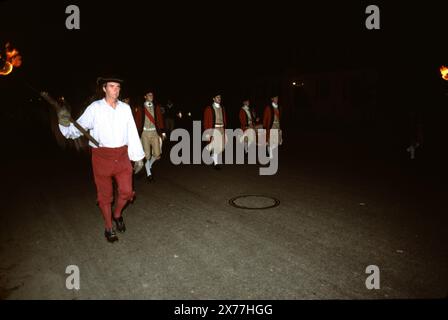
<point>103,80</point>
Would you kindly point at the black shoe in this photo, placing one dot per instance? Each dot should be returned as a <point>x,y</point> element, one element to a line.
<point>216,167</point>
<point>121,227</point>
<point>110,235</point>
<point>150,178</point>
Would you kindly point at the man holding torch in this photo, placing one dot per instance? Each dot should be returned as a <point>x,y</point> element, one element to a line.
<point>114,145</point>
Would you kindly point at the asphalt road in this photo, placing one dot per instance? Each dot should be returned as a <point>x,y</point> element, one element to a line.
<point>343,206</point>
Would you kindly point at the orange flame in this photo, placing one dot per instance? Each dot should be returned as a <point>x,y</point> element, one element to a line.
<point>7,69</point>
<point>444,72</point>
<point>13,59</point>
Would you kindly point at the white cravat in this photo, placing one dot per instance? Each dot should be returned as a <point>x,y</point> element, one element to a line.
<point>112,128</point>
<point>246,108</point>
<point>275,105</point>
<point>216,105</point>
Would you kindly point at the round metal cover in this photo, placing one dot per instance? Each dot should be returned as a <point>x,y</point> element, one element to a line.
<point>254,202</point>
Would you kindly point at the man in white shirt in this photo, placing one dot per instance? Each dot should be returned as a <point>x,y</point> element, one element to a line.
<point>111,123</point>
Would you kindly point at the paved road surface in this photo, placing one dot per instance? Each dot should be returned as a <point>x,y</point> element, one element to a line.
<point>343,207</point>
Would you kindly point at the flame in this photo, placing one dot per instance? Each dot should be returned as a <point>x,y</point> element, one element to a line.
<point>444,72</point>
<point>13,59</point>
<point>7,69</point>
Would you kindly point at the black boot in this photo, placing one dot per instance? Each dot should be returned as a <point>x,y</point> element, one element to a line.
<point>110,235</point>
<point>121,227</point>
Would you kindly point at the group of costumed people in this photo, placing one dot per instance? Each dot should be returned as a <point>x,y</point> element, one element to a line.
<point>119,149</point>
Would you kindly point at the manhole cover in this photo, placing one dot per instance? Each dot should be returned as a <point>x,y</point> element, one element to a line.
<point>254,201</point>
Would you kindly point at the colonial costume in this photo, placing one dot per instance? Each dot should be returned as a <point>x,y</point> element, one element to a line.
<point>152,131</point>
<point>215,119</point>
<point>113,127</point>
<point>271,120</point>
<point>247,124</point>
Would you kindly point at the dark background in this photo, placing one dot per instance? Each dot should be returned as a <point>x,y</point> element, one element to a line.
<point>350,196</point>
<point>187,51</point>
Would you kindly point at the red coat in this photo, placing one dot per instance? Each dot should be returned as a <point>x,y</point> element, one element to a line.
<point>209,117</point>
<point>137,113</point>
<point>244,125</point>
<point>158,116</point>
<point>268,118</point>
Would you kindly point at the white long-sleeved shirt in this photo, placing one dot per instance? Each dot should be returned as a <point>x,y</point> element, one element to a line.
<point>112,128</point>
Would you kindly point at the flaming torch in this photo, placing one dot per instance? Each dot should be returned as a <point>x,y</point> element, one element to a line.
<point>444,72</point>
<point>12,59</point>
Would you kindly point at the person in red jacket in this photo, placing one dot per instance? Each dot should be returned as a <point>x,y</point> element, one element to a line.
<point>136,112</point>
<point>215,118</point>
<point>153,130</point>
<point>271,120</point>
<point>247,124</point>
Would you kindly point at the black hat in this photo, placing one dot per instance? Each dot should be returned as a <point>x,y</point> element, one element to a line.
<point>103,80</point>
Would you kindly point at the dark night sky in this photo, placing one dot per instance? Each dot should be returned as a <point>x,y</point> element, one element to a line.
<point>185,49</point>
